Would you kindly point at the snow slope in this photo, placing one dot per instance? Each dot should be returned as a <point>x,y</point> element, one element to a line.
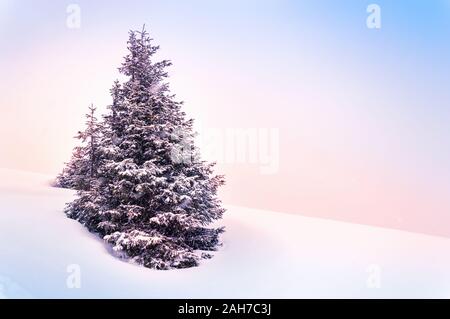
<point>265,255</point>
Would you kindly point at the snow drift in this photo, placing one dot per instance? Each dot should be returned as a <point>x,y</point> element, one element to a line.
<point>265,255</point>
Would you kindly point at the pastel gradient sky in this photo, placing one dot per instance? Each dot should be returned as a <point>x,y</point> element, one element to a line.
<point>363,114</point>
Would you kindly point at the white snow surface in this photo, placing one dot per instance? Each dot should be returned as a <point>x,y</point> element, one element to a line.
<point>265,255</point>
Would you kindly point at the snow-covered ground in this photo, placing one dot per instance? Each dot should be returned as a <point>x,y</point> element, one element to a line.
<point>265,255</point>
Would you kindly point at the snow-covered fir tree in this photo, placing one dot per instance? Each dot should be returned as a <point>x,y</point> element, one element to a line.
<point>153,199</point>
<point>81,170</point>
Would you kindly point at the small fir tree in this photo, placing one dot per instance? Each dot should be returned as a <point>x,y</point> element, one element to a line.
<point>81,170</point>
